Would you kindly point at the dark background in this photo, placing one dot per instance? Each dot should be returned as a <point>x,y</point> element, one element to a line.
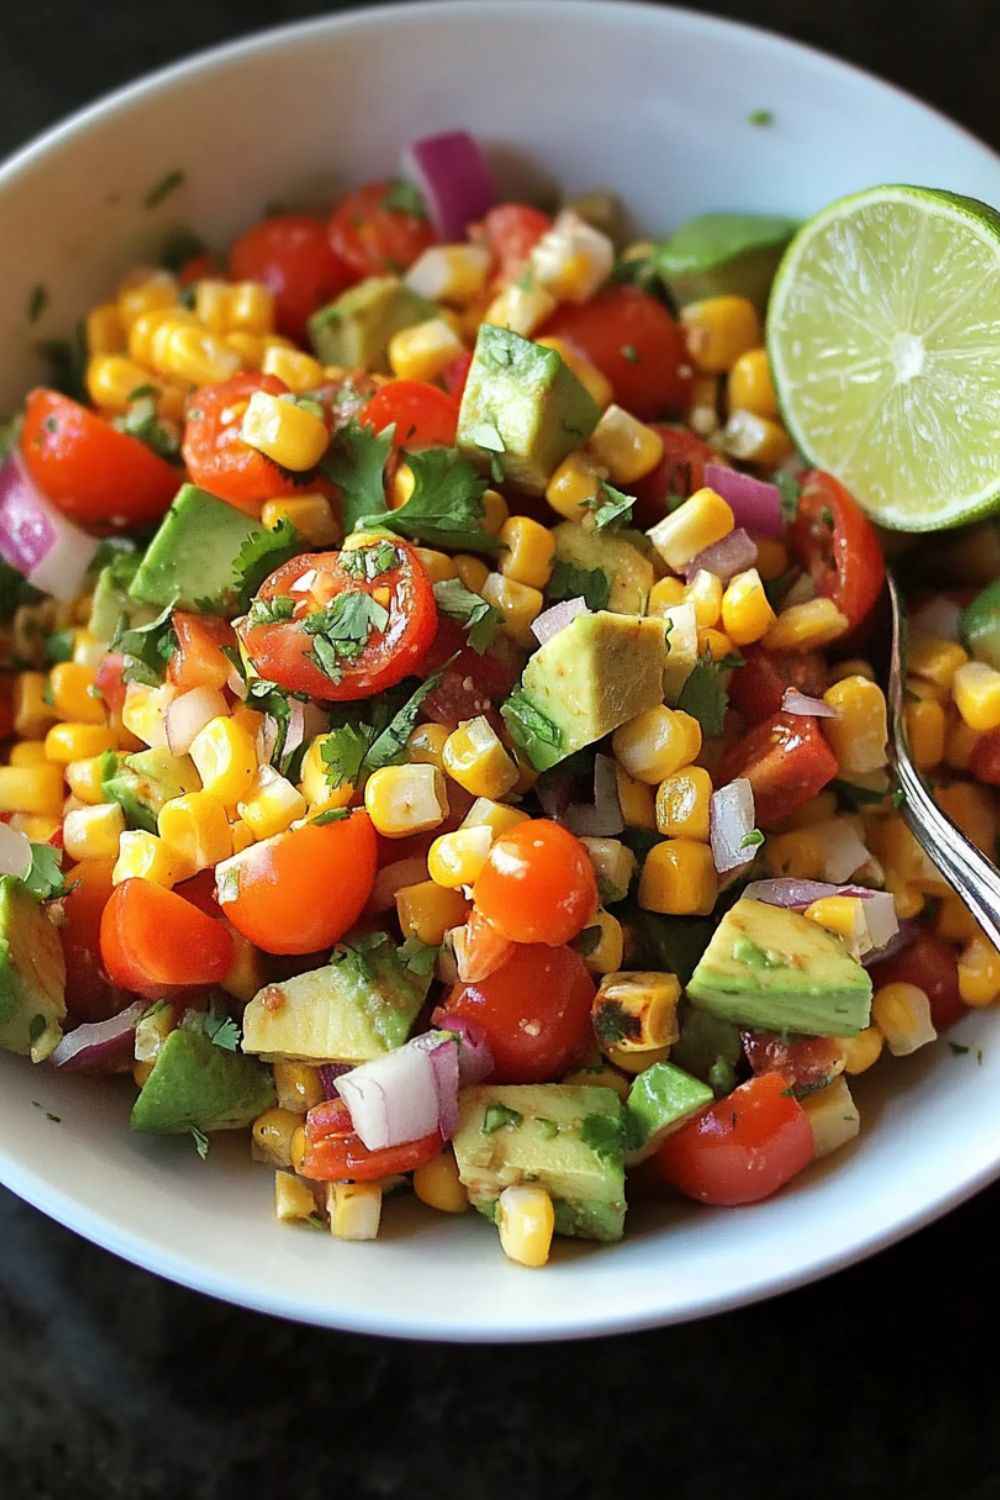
<point>882,1380</point>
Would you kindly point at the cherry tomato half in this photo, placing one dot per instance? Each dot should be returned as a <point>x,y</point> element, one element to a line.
<point>217,457</point>
<point>371,237</point>
<point>984,762</point>
<point>471,683</point>
<point>680,471</point>
<point>807,1062</point>
<point>930,964</point>
<point>835,542</point>
<point>423,415</point>
<point>291,254</point>
<point>510,232</point>
<point>787,762</point>
<point>199,660</point>
<point>757,688</point>
<point>538,884</point>
<point>635,343</point>
<point>89,996</point>
<point>334,1151</point>
<point>153,940</point>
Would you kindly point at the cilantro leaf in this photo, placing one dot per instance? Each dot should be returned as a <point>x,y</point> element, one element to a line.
<point>592,585</point>
<point>402,197</point>
<point>760,117</point>
<point>420,958</point>
<point>371,561</point>
<point>605,1135</point>
<point>340,631</point>
<point>498,1117</point>
<point>260,554</point>
<point>480,619</point>
<point>220,1029</point>
<point>704,696</point>
<point>167,184</point>
<point>532,731</point>
<point>611,508</point>
<point>388,747</point>
<point>355,461</point>
<point>272,611</point>
<point>141,421</point>
<point>343,751</point>
<point>752,840</point>
<point>332,815</point>
<point>45,878</point>
<point>446,507</point>
<point>146,648</point>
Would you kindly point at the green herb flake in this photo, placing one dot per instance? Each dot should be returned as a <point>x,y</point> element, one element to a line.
<point>332,815</point>
<point>59,646</point>
<point>479,619</point>
<point>146,648</point>
<point>445,508</point>
<point>260,554</point>
<point>592,585</point>
<point>532,731</point>
<point>67,362</point>
<point>605,1135</point>
<point>389,746</point>
<point>629,352</point>
<point>38,301</point>
<point>789,490</point>
<point>45,878</point>
<point>611,508</point>
<point>315,1221</point>
<point>271,611</point>
<point>201,1142</point>
<point>342,752</point>
<point>141,421</point>
<point>161,190</point>
<point>958,1050</point>
<point>420,958</point>
<point>498,1117</point>
<point>752,840</point>
<point>760,117</point>
<point>370,561</point>
<point>705,696</point>
<point>402,197</point>
<point>340,631</point>
<point>56,1119</point>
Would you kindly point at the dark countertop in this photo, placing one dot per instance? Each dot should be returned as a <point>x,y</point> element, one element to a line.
<point>114,1384</point>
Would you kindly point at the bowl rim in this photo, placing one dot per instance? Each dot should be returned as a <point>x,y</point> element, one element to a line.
<point>102,1228</point>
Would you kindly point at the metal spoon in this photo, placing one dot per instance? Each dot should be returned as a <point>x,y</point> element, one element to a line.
<point>966,869</point>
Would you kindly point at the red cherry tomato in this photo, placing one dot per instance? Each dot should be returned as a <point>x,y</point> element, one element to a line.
<point>807,1062</point>
<point>423,415</point>
<point>291,254</point>
<point>198,267</point>
<point>510,232</point>
<point>786,760</point>
<point>199,660</point>
<point>284,652</point>
<point>110,682</point>
<point>88,469</point>
<point>200,891</point>
<point>89,996</point>
<point>635,343</point>
<point>300,891</point>
<point>984,762</point>
<point>930,964</point>
<point>680,471</point>
<point>757,688</point>
<point>741,1149</point>
<point>373,238</point>
<point>535,1011</point>
<point>472,683</point>
<point>455,374</point>
<point>538,884</point>
<point>334,1152</point>
<point>217,457</point>
<point>152,941</point>
<point>835,542</point>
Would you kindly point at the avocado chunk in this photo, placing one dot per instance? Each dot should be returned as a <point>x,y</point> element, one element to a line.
<point>568,1137</point>
<point>629,574</point>
<point>716,254</point>
<point>196,1085</point>
<point>142,782</point>
<point>709,1048</point>
<point>191,560</point>
<point>660,1100</point>
<point>359,1006</point>
<point>980,626</point>
<point>773,970</point>
<point>355,329</point>
<point>523,409</point>
<point>32,974</point>
<point>598,672</point>
<point>111,599</point>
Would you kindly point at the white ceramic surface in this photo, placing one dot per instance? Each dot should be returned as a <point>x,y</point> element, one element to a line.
<point>654,102</point>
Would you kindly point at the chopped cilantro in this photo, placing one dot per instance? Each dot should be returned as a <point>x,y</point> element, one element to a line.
<point>340,631</point>
<point>38,301</point>
<point>642,271</point>
<point>271,611</point>
<point>169,183</point>
<point>958,1049</point>
<point>56,1119</point>
<point>760,117</point>
<point>498,1117</point>
<point>532,731</point>
<point>389,746</point>
<point>592,585</point>
<point>146,648</point>
<point>420,958</point>
<point>355,461</point>
<point>446,507</point>
<point>605,1135</point>
<point>752,840</point>
<point>402,197</point>
<point>704,696</point>
<point>201,1142</point>
<point>260,554</point>
<point>480,619</point>
<point>140,421</point>
<point>59,646</point>
<point>220,1029</point>
<point>790,490</point>
<point>351,751</point>
<point>629,352</point>
<point>611,508</point>
<point>332,815</point>
<point>45,878</point>
<point>343,751</point>
<point>371,561</point>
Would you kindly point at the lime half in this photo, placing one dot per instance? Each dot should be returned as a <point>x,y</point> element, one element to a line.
<point>883,333</point>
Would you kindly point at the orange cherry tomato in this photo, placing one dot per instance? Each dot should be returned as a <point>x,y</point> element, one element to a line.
<point>538,885</point>
<point>635,343</point>
<point>291,254</point>
<point>153,941</point>
<point>423,415</point>
<point>371,237</point>
<point>199,660</point>
<point>217,457</point>
<point>835,542</point>
<point>89,996</point>
<point>335,1152</point>
<point>300,891</point>
<point>88,469</point>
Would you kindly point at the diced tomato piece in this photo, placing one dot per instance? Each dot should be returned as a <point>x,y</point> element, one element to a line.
<point>635,343</point>
<point>835,542</point>
<point>423,416</point>
<point>757,688</point>
<point>335,1152</point>
<point>787,761</point>
<point>372,237</point>
<point>199,660</point>
<point>931,964</point>
<point>510,232</point>
<point>808,1062</point>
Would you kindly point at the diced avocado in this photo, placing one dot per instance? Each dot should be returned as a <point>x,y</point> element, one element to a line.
<point>773,970</point>
<point>191,559</point>
<point>144,781</point>
<point>355,329</point>
<point>111,600</point>
<point>980,626</point>
<point>716,254</point>
<point>659,1101</point>
<point>358,1007</point>
<point>629,574</point>
<point>196,1085</point>
<point>523,409</point>
<point>709,1048</point>
<point>568,1137</point>
<point>32,974</point>
<point>598,672</point>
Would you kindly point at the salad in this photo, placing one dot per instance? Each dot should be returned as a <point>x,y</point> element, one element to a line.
<point>444,736</point>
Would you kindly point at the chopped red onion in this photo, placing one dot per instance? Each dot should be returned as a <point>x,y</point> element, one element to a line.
<point>734,554</point>
<point>755,503</point>
<point>798,894</point>
<point>236,683</point>
<point>37,539</point>
<point>604,818</point>
<point>551,621</point>
<point>794,702</point>
<point>295,733</point>
<point>452,174</point>
<point>101,1046</point>
<point>731,821</point>
<point>15,852</point>
<point>398,1098</point>
<point>475,1059</point>
<point>904,935</point>
<point>328,1075</point>
<point>443,1051</point>
<point>187,716</point>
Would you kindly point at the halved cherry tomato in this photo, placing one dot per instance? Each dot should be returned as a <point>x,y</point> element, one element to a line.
<point>535,1011</point>
<point>930,964</point>
<point>741,1149</point>
<point>484,950</point>
<point>635,343</point>
<point>283,651</point>
<point>300,891</point>
<point>291,254</point>
<point>373,238</point>
<point>757,688</point>
<point>471,682</point>
<point>538,884</point>
<point>510,232</point>
<point>153,941</point>
<point>199,660</point>
<point>89,996</point>
<point>835,542</point>
<point>807,1062</point>
<point>423,415</point>
<point>680,472</point>
<point>984,762</point>
<point>110,682</point>
<point>200,891</point>
<point>455,374</point>
<point>335,1152</point>
<point>217,457</point>
<point>88,469</point>
<point>786,760</point>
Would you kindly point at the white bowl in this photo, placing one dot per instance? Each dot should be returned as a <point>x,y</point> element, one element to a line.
<point>654,102</point>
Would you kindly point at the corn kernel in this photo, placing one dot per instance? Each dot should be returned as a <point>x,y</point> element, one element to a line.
<point>425,745</point>
<point>475,757</point>
<point>859,735</point>
<point>498,817</point>
<point>293,1198</point>
<point>636,1010</point>
<point>290,434</point>
<point>449,273</point>
<point>573,486</point>
<point>976,690</point>
<point>755,440</point>
<point>401,800</point>
<point>438,1184</point>
<point>144,290</point>
<point>636,800</point>
<point>88,651</point>
<point>772,558</point>
<point>844,916</point>
<point>241,835</point>
<point>422,351</point>
<point>678,879</point>
<point>819,809</point>
<point>438,566</point>
<point>495,511</point>
<point>703,410</point>
<point>145,712</point>
<point>104,329</point>
<point>656,743</point>
<point>798,855</point>
<point>428,910</point>
<point>750,387</point>
<point>973,807</point>
<point>471,572</point>
<point>143,856</point>
<point>521,308</point>
<point>195,827</point>
<point>955,922</point>
<point>457,859</point>
<point>925,728</point>
<point>530,549</point>
<point>189,352</point>
<point>297,1085</point>
<point>683,800</point>
<point>705,593</point>
<point>715,643</point>
<point>32,714</point>
<point>937,660</point>
<point>299,371</point>
<point>94,832</point>
<point>29,753</point>
<point>144,330</point>
<point>71,685</point>
<point>861,1051</point>
<point>960,741</point>
<point>636,1062</point>
<point>66,742</point>
<point>806,627</point>
<point>719,330</point>
<point>666,594</point>
<point>272,1136</point>
<point>979,972</point>
<point>833,1117</point>
<point>746,611</point>
<point>526,1221</point>
<point>355,1209</point>
<point>902,1013</point>
<point>111,380</point>
<point>518,603</point>
<point>311,515</point>
<point>597,386</point>
<point>607,954</point>
<point>225,758</point>
<point>700,522</point>
<point>251,308</point>
<point>271,804</point>
<point>623,445</point>
<point>572,259</point>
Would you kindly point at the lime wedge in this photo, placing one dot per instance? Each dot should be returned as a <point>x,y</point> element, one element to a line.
<point>883,332</point>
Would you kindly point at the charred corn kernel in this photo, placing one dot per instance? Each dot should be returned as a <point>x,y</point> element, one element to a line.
<point>623,445</point>
<point>843,915</point>
<point>755,440</point>
<point>679,879</point>
<point>902,1013</point>
<point>716,643</point>
<point>437,565</point>
<point>355,1209</point>
<point>297,1085</point>
<point>111,380</point>
<point>146,289</point>
<point>719,330</point>
<point>94,832</point>
<point>241,835</point>
<point>750,387</point>
<point>298,370</point>
<point>495,511</point>
<point>246,974</point>
<point>195,827</point>
<point>521,308</point>
<point>705,593</point>
<point>805,627</point>
<point>530,549</point>
<point>859,735</point>
<point>292,435</point>
<point>799,854</point>
<point>955,922</point>
<point>746,611</point>
<point>861,1051</point>
<point>700,522</point>
<point>272,1136</point>
<point>31,712</point>
<point>29,753</point>
<point>143,856</point>
<point>526,1221</point>
<point>456,859</point>
<point>973,807</point>
<point>251,308</point>
<point>73,693</point>
<point>657,743</point>
<point>518,603</point>
<point>683,800</point>
<point>271,804</point>
<point>471,571</point>
<point>703,411</point>
<point>425,745</point>
<point>666,594</point>
<point>401,800</point>
<point>976,690</point>
<point>474,756</point>
<point>144,713</point>
<point>140,1073</point>
<point>937,660</point>
<point>189,352</point>
<point>31,789</point>
<point>315,786</point>
<point>925,726</point>
<point>772,558</point>
<point>401,486</point>
<point>439,1186</point>
<point>311,515</point>
<point>422,351</point>
<point>635,1010</point>
<point>833,1117</point>
<point>427,910</point>
<point>979,972</point>
<point>572,259</point>
<point>573,486</point>
<point>636,1062</point>
<point>606,953</point>
<point>225,758</point>
<point>636,800</point>
<point>597,386</point>
<point>293,1198</point>
<point>496,816</point>
<point>960,741</point>
<point>66,742</point>
<point>105,330</point>
<point>449,273</point>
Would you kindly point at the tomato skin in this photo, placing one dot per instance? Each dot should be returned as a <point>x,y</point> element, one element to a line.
<point>538,884</point>
<point>472,683</point>
<point>807,1062</point>
<point>845,562</point>
<point>454,375</point>
<point>291,254</point>
<point>680,471</point>
<point>153,941</point>
<point>334,1151</point>
<point>741,1149</point>
<point>510,232</point>
<point>89,996</point>
<point>984,762</point>
<point>931,964</point>
<point>217,457</point>
<point>371,239</point>
<point>757,688</point>
<point>110,682</point>
<point>535,1011</point>
<point>787,762</point>
<point>300,891</point>
<point>654,383</point>
<point>198,660</point>
<point>423,415</point>
<point>90,471</point>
